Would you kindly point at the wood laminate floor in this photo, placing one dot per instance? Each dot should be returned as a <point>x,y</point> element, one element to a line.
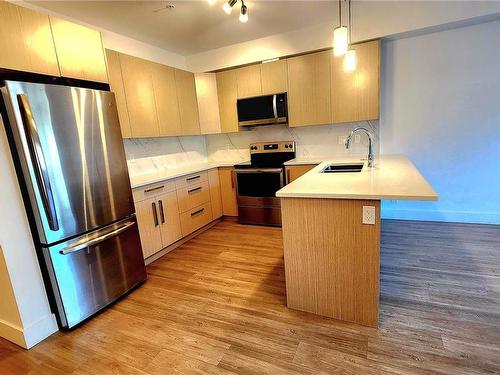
<point>216,305</point>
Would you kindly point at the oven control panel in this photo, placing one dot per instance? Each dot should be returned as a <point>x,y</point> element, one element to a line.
<point>265,147</point>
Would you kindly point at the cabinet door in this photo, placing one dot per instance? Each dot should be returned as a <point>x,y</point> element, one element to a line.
<point>79,51</point>
<point>295,171</point>
<point>355,94</point>
<point>228,191</point>
<point>188,104</point>
<point>309,89</point>
<point>116,85</point>
<point>148,220</point>
<point>227,91</point>
<point>26,41</point>
<point>248,81</point>
<point>167,105</point>
<point>215,194</point>
<point>139,94</point>
<point>170,224</point>
<point>208,105</point>
<point>274,77</point>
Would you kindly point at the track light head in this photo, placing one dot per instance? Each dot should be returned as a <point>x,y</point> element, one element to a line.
<point>243,13</point>
<point>228,7</point>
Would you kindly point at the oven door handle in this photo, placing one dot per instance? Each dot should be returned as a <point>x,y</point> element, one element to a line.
<point>259,170</point>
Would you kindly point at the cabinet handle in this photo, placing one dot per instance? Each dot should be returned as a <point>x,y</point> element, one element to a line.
<point>232,179</point>
<point>162,213</point>
<point>155,214</point>
<point>192,178</point>
<point>193,190</point>
<point>153,189</point>
<point>198,212</point>
<point>288,176</point>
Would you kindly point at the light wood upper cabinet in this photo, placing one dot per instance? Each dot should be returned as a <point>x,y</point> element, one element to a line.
<point>79,51</point>
<point>167,105</point>
<point>228,191</point>
<point>26,41</point>
<point>248,81</point>
<point>355,95</point>
<point>138,84</point>
<point>116,85</point>
<point>208,104</point>
<point>274,77</point>
<point>227,91</point>
<point>309,89</point>
<point>188,104</point>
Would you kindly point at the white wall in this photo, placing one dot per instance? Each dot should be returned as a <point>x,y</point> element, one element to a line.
<point>440,105</point>
<point>371,19</point>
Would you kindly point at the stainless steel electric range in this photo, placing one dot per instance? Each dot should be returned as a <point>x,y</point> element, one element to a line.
<point>258,181</point>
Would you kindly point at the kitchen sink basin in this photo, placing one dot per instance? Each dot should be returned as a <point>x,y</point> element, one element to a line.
<point>342,168</point>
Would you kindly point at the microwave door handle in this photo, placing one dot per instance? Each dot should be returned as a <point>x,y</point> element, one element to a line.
<point>275,107</point>
<point>38,160</point>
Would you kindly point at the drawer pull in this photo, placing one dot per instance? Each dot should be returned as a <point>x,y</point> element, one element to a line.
<point>162,213</point>
<point>193,190</point>
<point>153,189</point>
<point>192,178</point>
<point>198,212</point>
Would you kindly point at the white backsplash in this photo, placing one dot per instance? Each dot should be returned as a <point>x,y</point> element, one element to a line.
<point>150,155</point>
<point>312,141</point>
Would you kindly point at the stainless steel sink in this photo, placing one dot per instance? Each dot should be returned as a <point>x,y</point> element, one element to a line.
<point>342,168</point>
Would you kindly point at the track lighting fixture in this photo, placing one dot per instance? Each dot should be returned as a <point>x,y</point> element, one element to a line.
<point>228,7</point>
<point>243,12</point>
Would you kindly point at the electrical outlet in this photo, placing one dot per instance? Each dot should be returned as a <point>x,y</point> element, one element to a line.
<point>357,138</point>
<point>369,215</point>
<point>342,139</point>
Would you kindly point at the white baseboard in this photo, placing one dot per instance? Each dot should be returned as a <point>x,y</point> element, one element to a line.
<point>448,216</point>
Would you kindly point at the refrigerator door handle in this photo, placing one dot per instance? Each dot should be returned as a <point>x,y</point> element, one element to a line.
<point>77,246</point>
<point>38,161</point>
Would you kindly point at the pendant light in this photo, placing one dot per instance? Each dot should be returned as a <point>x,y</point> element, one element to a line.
<point>350,56</point>
<point>340,36</point>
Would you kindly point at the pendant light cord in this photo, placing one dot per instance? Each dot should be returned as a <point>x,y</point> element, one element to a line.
<point>340,14</point>
<point>350,21</point>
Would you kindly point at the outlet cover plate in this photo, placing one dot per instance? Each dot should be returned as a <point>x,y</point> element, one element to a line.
<point>369,215</point>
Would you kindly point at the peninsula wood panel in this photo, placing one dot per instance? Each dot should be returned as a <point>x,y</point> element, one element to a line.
<point>149,227</point>
<point>188,104</point>
<point>227,91</point>
<point>355,95</point>
<point>170,223</point>
<point>26,42</point>
<point>215,194</point>
<point>228,191</point>
<point>116,85</point>
<point>79,50</point>
<point>332,259</point>
<point>249,81</point>
<point>295,171</point>
<point>208,103</point>
<point>309,89</point>
<point>138,84</point>
<point>167,105</point>
<point>274,77</point>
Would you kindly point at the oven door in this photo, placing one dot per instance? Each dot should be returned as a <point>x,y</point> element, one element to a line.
<point>258,187</point>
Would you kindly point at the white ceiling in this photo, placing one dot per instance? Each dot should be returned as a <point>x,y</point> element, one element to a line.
<point>195,26</point>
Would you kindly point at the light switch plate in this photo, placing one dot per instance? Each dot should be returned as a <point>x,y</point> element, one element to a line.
<point>369,215</point>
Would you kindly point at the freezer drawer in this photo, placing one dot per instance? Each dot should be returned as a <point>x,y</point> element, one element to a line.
<point>90,272</point>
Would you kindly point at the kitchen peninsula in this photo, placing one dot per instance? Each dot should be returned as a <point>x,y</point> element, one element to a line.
<point>331,234</point>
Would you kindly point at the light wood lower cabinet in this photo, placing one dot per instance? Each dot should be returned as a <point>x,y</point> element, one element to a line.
<point>295,171</point>
<point>26,42</point>
<point>193,195</point>
<point>215,193</point>
<point>228,191</point>
<point>79,50</point>
<point>170,225</point>
<point>149,226</point>
<point>196,218</point>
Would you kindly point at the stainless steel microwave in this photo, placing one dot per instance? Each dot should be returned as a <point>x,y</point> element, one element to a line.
<point>263,110</point>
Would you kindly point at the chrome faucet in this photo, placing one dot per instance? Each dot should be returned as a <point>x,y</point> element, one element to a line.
<point>348,142</point>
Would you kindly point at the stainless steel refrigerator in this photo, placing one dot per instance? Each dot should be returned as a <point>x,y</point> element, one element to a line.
<point>71,165</point>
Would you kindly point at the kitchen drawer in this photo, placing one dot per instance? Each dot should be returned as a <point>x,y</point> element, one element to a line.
<point>193,195</point>
<point>193,178</point>
<point>149,191</point>
<point>196,218</point>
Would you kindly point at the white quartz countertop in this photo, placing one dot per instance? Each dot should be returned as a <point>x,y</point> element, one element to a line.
<point>304,161</point>
<point>140,180</point>
<point>394,178</point>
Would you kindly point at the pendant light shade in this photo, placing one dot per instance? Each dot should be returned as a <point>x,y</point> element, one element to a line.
<point>244,13</point>
<point>228,7</point>
<point>350,61</point>
<point>340,43</point>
